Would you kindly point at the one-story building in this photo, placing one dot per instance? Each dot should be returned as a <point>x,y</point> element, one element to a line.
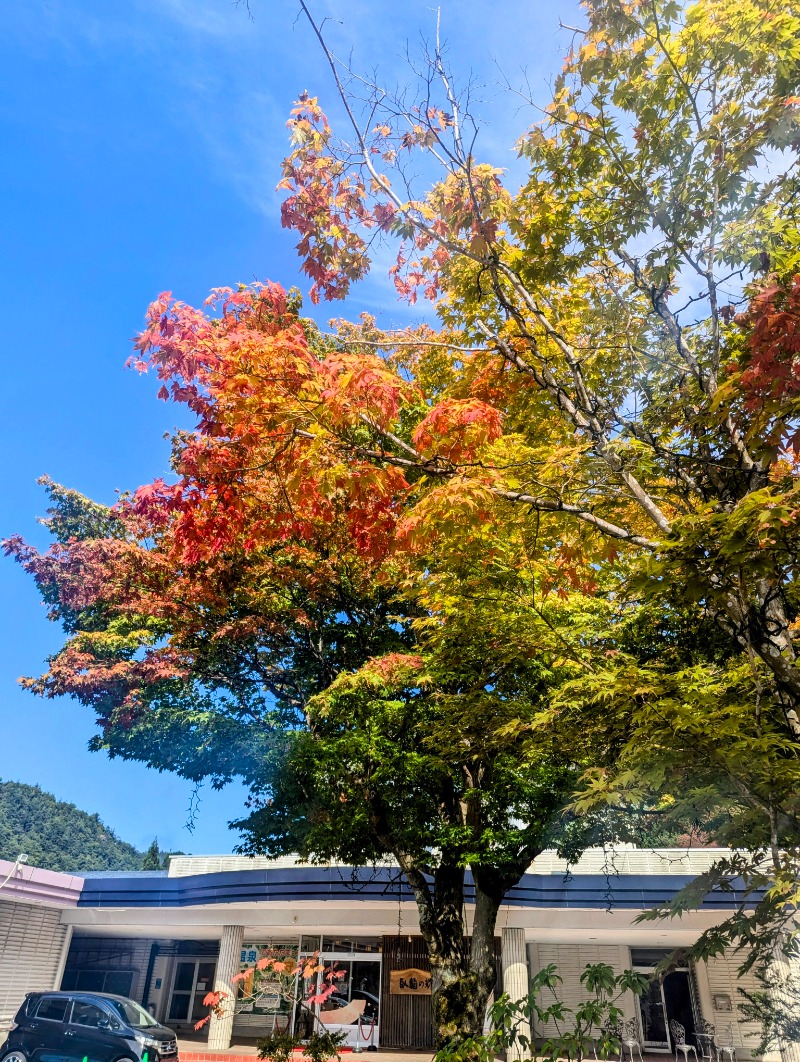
<point>168,938</point>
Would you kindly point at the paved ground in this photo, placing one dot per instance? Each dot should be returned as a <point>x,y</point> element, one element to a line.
<point>194,1051</point>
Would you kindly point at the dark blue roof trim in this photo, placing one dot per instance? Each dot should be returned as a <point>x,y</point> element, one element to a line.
<point>639,891</point>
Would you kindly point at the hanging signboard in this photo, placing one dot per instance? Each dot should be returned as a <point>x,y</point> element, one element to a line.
<point>409,982</point>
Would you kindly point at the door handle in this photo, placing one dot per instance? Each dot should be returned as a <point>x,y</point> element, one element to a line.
<point>70,1032</point>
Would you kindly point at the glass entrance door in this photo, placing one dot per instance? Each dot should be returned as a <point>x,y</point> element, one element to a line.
<point>653,1013</point>
<point>354,1008</point>
<point>668,998</point>
<point>194,979</point>
<point>679,1002</point>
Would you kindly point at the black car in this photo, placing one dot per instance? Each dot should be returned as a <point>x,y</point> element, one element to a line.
<point>88,1027</point>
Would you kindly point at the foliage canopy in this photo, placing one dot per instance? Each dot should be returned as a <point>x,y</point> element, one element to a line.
<point>425,589</point>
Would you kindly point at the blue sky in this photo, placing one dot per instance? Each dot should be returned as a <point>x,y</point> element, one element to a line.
<point>141,141</point>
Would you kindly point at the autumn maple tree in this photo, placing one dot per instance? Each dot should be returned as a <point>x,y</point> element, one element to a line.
<point>274,613</point>
<point>426,589</point>
<point>618,342</point>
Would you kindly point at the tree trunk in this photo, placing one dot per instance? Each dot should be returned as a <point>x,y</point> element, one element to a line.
<point>462,978</point>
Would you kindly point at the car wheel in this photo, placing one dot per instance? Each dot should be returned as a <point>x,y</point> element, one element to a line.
<point>15,1055</point>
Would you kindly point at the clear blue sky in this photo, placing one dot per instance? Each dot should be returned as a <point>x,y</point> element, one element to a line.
<point>140,142</point>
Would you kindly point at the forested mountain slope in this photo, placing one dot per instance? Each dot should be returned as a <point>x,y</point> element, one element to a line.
<point>57,835</point>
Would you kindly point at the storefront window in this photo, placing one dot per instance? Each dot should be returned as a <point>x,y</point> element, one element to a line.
<point>118,982</point>
<point>351,945</point>
<point>260,993</point>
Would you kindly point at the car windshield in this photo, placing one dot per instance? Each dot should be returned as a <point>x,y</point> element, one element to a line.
<point>132,1014</point>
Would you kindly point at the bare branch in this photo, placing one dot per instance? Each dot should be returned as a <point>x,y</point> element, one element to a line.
<point>587,423</point>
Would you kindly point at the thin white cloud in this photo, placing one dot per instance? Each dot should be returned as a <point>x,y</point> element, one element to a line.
<point>231,80</point>
<point>210,18</point>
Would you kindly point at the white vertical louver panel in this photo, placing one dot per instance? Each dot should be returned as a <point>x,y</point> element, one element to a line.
<point>571,961</point>
<point>31,944</point>
<point>724,981</point>
<point>626,859</point>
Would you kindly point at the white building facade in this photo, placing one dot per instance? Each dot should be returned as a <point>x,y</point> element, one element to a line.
<point>167,939</point>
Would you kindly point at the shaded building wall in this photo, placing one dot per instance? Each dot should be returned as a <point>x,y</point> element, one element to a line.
<point>138,967</point>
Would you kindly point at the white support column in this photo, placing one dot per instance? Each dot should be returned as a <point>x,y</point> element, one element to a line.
<point>515,979</point>
<point>230,953</point>
<point>704,991</point>
<point>62,959</point>
<point>790,1051</point>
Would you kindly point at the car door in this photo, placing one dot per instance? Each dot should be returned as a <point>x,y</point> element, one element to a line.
<point>92,1034</point>
<point>48,1026</point>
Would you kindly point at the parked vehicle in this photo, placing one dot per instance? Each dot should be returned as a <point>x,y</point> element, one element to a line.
<point>86,1026</point>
